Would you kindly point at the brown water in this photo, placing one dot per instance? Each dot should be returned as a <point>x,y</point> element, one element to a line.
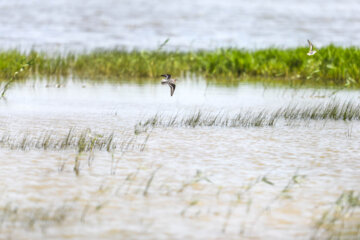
<point>182,183</point>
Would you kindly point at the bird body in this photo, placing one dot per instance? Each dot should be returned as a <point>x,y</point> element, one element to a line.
<point>169,81</point>
<point>311,51</point>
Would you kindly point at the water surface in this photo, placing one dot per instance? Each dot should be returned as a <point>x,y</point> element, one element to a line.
<point>194,183</point>
<point>196,24</point>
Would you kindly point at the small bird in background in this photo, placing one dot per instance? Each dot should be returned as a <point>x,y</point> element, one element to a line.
<point>311,51</point>
<point>170,82</point>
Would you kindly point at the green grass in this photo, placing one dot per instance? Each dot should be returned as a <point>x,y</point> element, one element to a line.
<point>334,110</point>
<point>20,72</point>
<point>330,66</point>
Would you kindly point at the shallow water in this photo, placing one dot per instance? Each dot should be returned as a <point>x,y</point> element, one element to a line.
<point>77,25</point>
<point>194,183</point>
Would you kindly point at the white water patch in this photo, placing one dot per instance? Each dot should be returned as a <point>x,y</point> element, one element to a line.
<point>197,24</point>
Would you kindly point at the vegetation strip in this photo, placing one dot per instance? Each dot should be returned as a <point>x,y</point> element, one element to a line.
<point>82,141</point>
<point>331,65</point>
<point>346,111</point>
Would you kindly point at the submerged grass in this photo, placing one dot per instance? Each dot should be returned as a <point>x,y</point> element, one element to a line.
<point>346,111</point>
<point>341,220</point>
<point>331,65</point>
<point>32,217</point>
<point>81,141</point>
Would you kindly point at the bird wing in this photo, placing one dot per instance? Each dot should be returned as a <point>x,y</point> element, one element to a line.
<point>166,76</point>
<point>310,45</point>
<point>164,81</point>
<point>172,88</point>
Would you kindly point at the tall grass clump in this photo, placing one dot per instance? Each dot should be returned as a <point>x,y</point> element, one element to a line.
<point>345,111</point>
<point>81,141</point>
<point>331,65</point>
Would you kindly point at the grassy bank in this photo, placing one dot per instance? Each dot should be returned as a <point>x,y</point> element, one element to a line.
<point>330,66</point>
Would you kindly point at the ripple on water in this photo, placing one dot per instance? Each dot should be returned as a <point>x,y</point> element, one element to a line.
<point>204,182</point>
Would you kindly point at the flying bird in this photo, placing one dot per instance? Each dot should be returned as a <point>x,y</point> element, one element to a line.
<point>169,81</point>
<point>311,51</point>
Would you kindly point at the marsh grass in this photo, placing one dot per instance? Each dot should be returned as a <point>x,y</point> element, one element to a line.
<point>81,141</point>
<point>341,220</point>
<point>331,65</point>
<point>20,72</point>
<point>33,217</point>
<point>283,194</point>
<point>145,185</point>
<point>198,177</point>
<point>334,110</point>
<point>84,142</point>
<point>148,183</point>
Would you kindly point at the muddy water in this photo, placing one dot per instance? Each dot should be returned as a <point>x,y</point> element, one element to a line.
<point>80,24</point>
<point>187,183</point>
